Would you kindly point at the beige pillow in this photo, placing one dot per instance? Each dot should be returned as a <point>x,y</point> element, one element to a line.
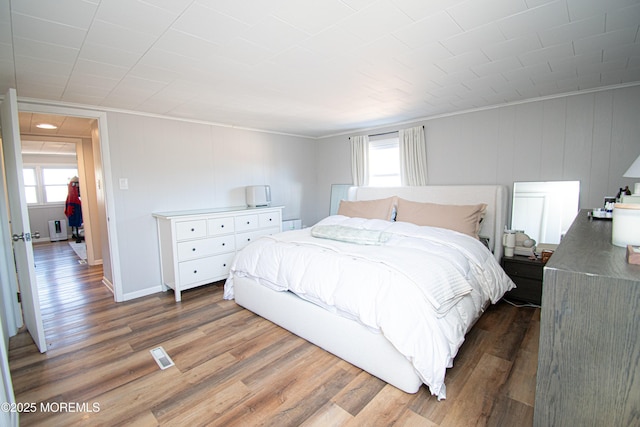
<point>370,209</point>
<point>462,218</point>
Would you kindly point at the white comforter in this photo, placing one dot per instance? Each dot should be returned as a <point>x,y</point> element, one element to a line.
<point>423,287</point>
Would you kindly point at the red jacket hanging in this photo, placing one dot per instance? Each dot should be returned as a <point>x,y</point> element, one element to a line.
<point>73,209</point>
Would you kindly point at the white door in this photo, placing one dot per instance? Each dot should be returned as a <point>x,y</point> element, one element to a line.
<point>19,220</point>
<point>8,417</point>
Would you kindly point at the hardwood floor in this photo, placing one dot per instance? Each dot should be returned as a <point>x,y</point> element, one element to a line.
<point>235,368</point>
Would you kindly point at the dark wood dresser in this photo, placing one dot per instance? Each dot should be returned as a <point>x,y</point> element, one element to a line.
<point>589,350</point>
<point>527,275</point>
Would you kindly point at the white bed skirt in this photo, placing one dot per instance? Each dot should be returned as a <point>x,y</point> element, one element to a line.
<point>338,335</point>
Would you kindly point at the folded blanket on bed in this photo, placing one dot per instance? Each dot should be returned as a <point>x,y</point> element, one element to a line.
<point>342,233</point>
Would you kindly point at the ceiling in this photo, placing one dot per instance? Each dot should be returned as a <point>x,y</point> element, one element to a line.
<point>47,147</point>
<point>314,68</point>
<point>51,141</point>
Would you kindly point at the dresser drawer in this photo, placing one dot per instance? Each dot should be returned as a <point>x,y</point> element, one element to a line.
<point>204,247</point>
<point>191,229</point>
<point>205,269</point>
<point>246,222</point>
<point>220,226</point>
<point>269,219</point>
<point>528,290</point>
<point>515,269</point>
<point>243,239</point>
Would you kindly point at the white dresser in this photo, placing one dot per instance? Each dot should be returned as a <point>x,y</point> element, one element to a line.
<point>197,247</point>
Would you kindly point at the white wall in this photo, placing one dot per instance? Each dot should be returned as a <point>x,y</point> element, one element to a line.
<point>590,137</point>
<point>173,165</point>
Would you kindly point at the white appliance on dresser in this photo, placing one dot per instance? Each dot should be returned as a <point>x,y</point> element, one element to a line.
<point>197,247</point>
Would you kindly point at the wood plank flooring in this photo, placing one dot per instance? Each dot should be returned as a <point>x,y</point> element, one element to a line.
<point>235,368</point>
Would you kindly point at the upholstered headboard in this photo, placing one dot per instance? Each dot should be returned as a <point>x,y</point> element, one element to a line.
<point>495,196</point>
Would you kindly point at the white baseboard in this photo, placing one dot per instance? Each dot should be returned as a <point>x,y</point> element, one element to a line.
<point>142,293</point>
<point>108,284</point>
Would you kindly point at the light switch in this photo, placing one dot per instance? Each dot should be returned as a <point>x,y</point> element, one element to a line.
<point>124,184</point>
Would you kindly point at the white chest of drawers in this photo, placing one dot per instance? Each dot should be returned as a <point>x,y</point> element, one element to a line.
<point>197,247</point>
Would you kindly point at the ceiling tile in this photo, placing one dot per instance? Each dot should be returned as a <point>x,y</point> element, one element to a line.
<point>92,69</point>
<point>630,51</point>
<point>116,37</point>
<point>474,39</point>
<point>466,60</point>
<point>45,51</point>
<point>625,17</point>
<point>209,25</point>
<point>375,21</point>
<point>512,47</point>
<point>572,31</point>
<point>605,40</point>
<point>581,9</point>
<point>473,13</point>
<point>249,14</point>
<point>273,34</point>
<point>419,9</point>
<point>140,16</point>
<point>535,20</point>
<point>57,11</point>
<point>571,63</point>
<point>547,54</point>
<point>31,28</point>
<point>434,28</point>
<point>108,55</point>
<point>325,42</point>
<point>312,16</point>
<point>497,67</point>
<point>39,66</point>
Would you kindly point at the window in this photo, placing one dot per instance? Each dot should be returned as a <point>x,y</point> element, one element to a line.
<point>30,185</point>
<point>47,184</point>
<point>384,160</point>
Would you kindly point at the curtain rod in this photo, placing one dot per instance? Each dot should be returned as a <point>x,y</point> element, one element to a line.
<point>385,133</point>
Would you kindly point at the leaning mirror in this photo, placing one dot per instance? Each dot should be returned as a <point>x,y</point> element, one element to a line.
<point>545,210</point>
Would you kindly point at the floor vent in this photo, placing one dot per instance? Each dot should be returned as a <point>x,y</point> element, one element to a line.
<point>162,358</point>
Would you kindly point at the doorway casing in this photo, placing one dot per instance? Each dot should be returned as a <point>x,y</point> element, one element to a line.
<point>100,138</point>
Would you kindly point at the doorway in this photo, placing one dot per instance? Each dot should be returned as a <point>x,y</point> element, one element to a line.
<point>93,156</point>
<point>56,144</point>
<point>91,149</point>
<point>64,143</point>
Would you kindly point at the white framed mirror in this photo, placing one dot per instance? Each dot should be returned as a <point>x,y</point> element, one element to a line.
<point>545,210</point>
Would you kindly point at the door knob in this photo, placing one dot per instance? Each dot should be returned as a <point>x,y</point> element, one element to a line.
<point>25,236</point>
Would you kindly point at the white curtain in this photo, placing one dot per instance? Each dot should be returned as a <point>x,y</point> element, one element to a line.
<point>413,156</point>
<point>360,160</point>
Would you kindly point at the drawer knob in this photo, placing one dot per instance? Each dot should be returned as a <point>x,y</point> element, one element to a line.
<point>248,222</point>
<point>223,244</point>
<point>195,271</point>
<point>193,249</point>
<point>224,265</point>
<point>248,239</point>
<point>193,229</point>
<point>222,226</point>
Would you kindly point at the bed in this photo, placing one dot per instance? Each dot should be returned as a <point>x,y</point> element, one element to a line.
<point>376,286</point>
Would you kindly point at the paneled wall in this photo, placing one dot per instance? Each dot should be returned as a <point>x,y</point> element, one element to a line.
<point>592,137</point>
<point>174,165</point>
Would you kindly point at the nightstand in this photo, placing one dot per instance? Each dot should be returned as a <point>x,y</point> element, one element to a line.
<point>527,275</point>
